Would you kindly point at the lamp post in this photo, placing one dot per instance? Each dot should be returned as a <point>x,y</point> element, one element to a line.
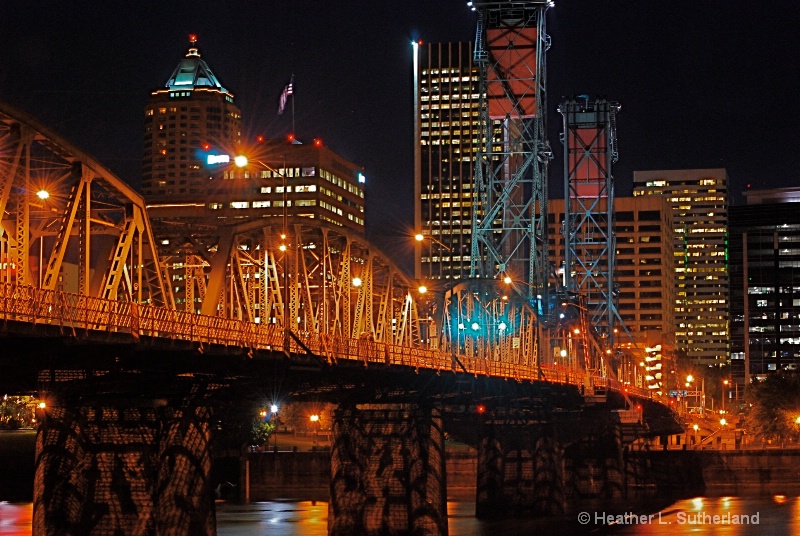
<point>420,238</point>
<point>315,420</point>
<point>724,394</point>
<point>242,161</point>
<point>43,195</point>
<point>274,410</point>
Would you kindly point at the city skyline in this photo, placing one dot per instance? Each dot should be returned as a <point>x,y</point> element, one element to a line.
<point>701,85</point>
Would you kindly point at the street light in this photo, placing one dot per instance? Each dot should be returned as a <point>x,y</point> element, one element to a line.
<point>274,410</point>
<point>242,161</point>
<point>315,419</point>
<point>724,394</point>
<point>419,237</point>
<point>43,195</point>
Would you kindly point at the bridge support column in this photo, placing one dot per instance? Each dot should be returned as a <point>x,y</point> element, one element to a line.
<point>520,473</point>
<point>388,472</point>
<point>111,471</point>
<point>594,467</point>
<point>613,464</point>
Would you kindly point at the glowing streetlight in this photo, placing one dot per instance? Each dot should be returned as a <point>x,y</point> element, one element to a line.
<point>274,409</point>
<point>724,393</point>
<point>315,419</point>
<point>419,237</point>
<point>43,194</point>
<point>242,161</point>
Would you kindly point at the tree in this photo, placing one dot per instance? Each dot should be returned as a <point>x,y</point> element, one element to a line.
<point>775,408</point>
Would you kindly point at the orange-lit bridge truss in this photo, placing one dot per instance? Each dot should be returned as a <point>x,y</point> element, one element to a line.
<point>87,259</point>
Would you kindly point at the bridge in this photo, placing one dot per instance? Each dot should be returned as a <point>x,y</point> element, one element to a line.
<point>132,371</point>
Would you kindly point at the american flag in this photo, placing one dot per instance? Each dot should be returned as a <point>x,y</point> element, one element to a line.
<point>285,96</point>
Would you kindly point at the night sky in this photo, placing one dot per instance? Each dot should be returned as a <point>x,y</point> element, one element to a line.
<point>703,83</point>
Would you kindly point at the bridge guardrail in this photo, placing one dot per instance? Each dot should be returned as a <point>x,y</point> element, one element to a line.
<point>88,314</point>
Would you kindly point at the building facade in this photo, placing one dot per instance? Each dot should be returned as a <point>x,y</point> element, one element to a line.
<point>184,120</point>
<point>699,202</point>
<point>643,277</point>
<point>447,137</point>
<point>280,178</point>
<point>764,285</point>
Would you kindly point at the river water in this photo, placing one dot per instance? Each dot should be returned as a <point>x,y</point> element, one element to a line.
<point>725,515</point>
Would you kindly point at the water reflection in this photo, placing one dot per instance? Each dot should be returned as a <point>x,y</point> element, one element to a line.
<point>728,515</point>
<point>772,515</point>
<point>15,519</point>
<point>309,518</point>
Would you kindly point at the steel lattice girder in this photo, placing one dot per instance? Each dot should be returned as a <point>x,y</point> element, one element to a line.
<point>93,226</point>
<point>247,275</point>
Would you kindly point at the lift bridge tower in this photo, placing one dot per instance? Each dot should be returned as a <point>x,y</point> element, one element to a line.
<point>589,137</point>
<point>510,216</point>
<point>497,313</point>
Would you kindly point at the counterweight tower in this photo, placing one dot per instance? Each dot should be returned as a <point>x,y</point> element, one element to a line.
<point>590,149</point>
<point>510,212</point>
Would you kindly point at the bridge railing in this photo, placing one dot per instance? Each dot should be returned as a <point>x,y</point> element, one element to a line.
<point>75,313</point>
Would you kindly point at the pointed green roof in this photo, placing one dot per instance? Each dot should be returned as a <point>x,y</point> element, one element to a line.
<point>193,72</point>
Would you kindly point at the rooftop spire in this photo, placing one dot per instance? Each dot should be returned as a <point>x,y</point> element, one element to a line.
<point>192,71</point>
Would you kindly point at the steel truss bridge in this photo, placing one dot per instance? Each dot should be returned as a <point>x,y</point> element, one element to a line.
<point>84,261</point>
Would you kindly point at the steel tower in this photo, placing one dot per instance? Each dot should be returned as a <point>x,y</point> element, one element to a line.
<point>590,149</point>
<point>510,211</point>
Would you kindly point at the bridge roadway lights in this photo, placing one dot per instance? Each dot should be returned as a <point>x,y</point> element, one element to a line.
<point>108,471</point>
<point>388,471</point>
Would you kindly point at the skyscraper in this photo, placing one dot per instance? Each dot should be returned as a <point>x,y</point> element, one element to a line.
<point>447,134</point>
<point>765,285</point>
<point>189,116</point>
<point>699,201</point>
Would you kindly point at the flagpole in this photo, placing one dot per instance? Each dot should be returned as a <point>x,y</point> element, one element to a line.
<point>293,132</point>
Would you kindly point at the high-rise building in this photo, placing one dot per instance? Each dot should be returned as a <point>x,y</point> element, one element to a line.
<point>192,138</point>
<point>447,137</point>
<point>764,285</point>
<point>308,180</point>
<point>644,275</point>
<point>191,115</point>
<point>699,201</point>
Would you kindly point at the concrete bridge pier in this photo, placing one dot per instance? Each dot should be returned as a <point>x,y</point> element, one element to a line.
<point>594,466</point>
<point>388,471</point>
<point>123,471</point>
<point>519,472</point>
